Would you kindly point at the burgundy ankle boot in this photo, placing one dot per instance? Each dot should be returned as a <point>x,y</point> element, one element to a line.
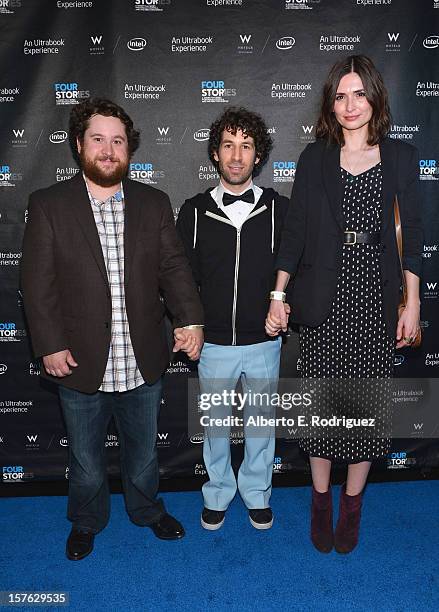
<point>321,521</point>
<point>348,524</point>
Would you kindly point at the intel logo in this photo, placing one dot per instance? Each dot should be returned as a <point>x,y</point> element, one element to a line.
<point>57,137</point>
<point>431,42</point>
<point>197,438</point>
<point>399,359</point>
<point>136,44</point>
<point>201,135</point>
<point>63,442</point>
<point>285,43</point>
<point>3,368</point>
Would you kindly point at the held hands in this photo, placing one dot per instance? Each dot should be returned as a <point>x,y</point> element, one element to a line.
<point>189,340</point>
<point>408,325</point>
<point>59,364</point>
<point>277,318</point>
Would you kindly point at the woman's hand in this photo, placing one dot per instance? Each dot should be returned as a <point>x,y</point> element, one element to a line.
<point>277,318</point>
<point>408,325</point>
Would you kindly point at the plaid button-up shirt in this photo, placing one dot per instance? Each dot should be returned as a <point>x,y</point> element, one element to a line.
<point>121,373</point>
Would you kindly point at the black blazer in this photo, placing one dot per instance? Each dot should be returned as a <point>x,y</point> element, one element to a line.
<point>312,240</point>
<point>65,286</point>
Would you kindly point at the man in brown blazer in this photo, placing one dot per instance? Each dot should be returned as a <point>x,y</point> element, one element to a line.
<point>99,252</point>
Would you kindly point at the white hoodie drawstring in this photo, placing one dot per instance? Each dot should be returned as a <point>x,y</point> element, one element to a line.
<point>272,226</point>
<point>195,228</point>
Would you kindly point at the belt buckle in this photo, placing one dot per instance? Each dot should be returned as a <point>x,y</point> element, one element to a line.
<point>354,235</point>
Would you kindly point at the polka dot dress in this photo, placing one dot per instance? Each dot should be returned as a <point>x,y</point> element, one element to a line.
<point>352,343</point>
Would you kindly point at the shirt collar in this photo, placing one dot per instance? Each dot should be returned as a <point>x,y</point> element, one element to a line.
<point>221,190</point>
<point>118,196</point>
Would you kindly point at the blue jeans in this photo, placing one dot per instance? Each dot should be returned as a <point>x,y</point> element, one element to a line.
<point>87,417</point>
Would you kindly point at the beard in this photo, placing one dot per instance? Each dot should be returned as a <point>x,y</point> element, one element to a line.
<point>100,177</point>
<point>233,179</point>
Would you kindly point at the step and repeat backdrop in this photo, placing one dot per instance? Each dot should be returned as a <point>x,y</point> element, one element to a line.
<point>175,65</point>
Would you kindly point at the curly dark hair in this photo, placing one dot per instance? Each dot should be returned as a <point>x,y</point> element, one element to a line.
<point>251,124</point>
<point>376,94</point>
<point>81,113</point>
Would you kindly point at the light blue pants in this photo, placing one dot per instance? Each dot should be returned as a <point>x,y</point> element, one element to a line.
<point>220,369</point>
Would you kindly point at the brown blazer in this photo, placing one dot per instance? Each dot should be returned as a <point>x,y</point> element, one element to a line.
<point>65,288</point>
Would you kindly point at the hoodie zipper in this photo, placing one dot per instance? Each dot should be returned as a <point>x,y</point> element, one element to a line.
<point>256,212</point>
<point>235,284</point>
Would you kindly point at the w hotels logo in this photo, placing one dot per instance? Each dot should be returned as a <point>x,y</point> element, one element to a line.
<point>246,46</point>
<point>431,290</point>
<point>97,45</point>
<point>18,139</point>
<point>307,133</point>
<point>163,137</point>
<point>393,44</point>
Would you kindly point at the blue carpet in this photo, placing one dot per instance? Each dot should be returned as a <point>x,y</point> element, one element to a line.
<point>395,568</point>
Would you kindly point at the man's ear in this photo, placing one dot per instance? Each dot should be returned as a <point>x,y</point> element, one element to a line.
<point>215,156</point>
<point>78,145</point>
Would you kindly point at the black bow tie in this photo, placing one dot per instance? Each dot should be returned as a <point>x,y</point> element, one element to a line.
<point>247,196</point>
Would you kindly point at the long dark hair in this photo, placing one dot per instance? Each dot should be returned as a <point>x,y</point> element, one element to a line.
<point>327,125</point>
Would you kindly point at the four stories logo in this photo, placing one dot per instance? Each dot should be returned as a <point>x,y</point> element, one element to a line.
<point>6,6</point>
<point>300,4</point>
<point>8,177</point>
<point>144,172</point>
<point>68,93</point>
<point>216,91</point>
<point>284,171</point>
<point>150,5</point>
<point>428,170</point>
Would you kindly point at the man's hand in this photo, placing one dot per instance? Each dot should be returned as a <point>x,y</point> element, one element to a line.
<point>59,364</point>
<point>189,340</point>
<point>277,318</point>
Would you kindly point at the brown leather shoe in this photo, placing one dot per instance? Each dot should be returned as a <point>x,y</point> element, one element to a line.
<point>348,524</point>
<point>79,544</point>
<point>321,521</point>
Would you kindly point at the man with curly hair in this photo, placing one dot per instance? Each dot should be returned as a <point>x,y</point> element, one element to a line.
<point>98,251</point>
<point>231,235</point>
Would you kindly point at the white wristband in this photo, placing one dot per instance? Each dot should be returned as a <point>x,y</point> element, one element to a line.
<point>278,295</point>
<point>193,326</point>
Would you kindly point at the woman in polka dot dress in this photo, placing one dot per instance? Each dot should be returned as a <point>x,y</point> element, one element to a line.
<point>339,249</point>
